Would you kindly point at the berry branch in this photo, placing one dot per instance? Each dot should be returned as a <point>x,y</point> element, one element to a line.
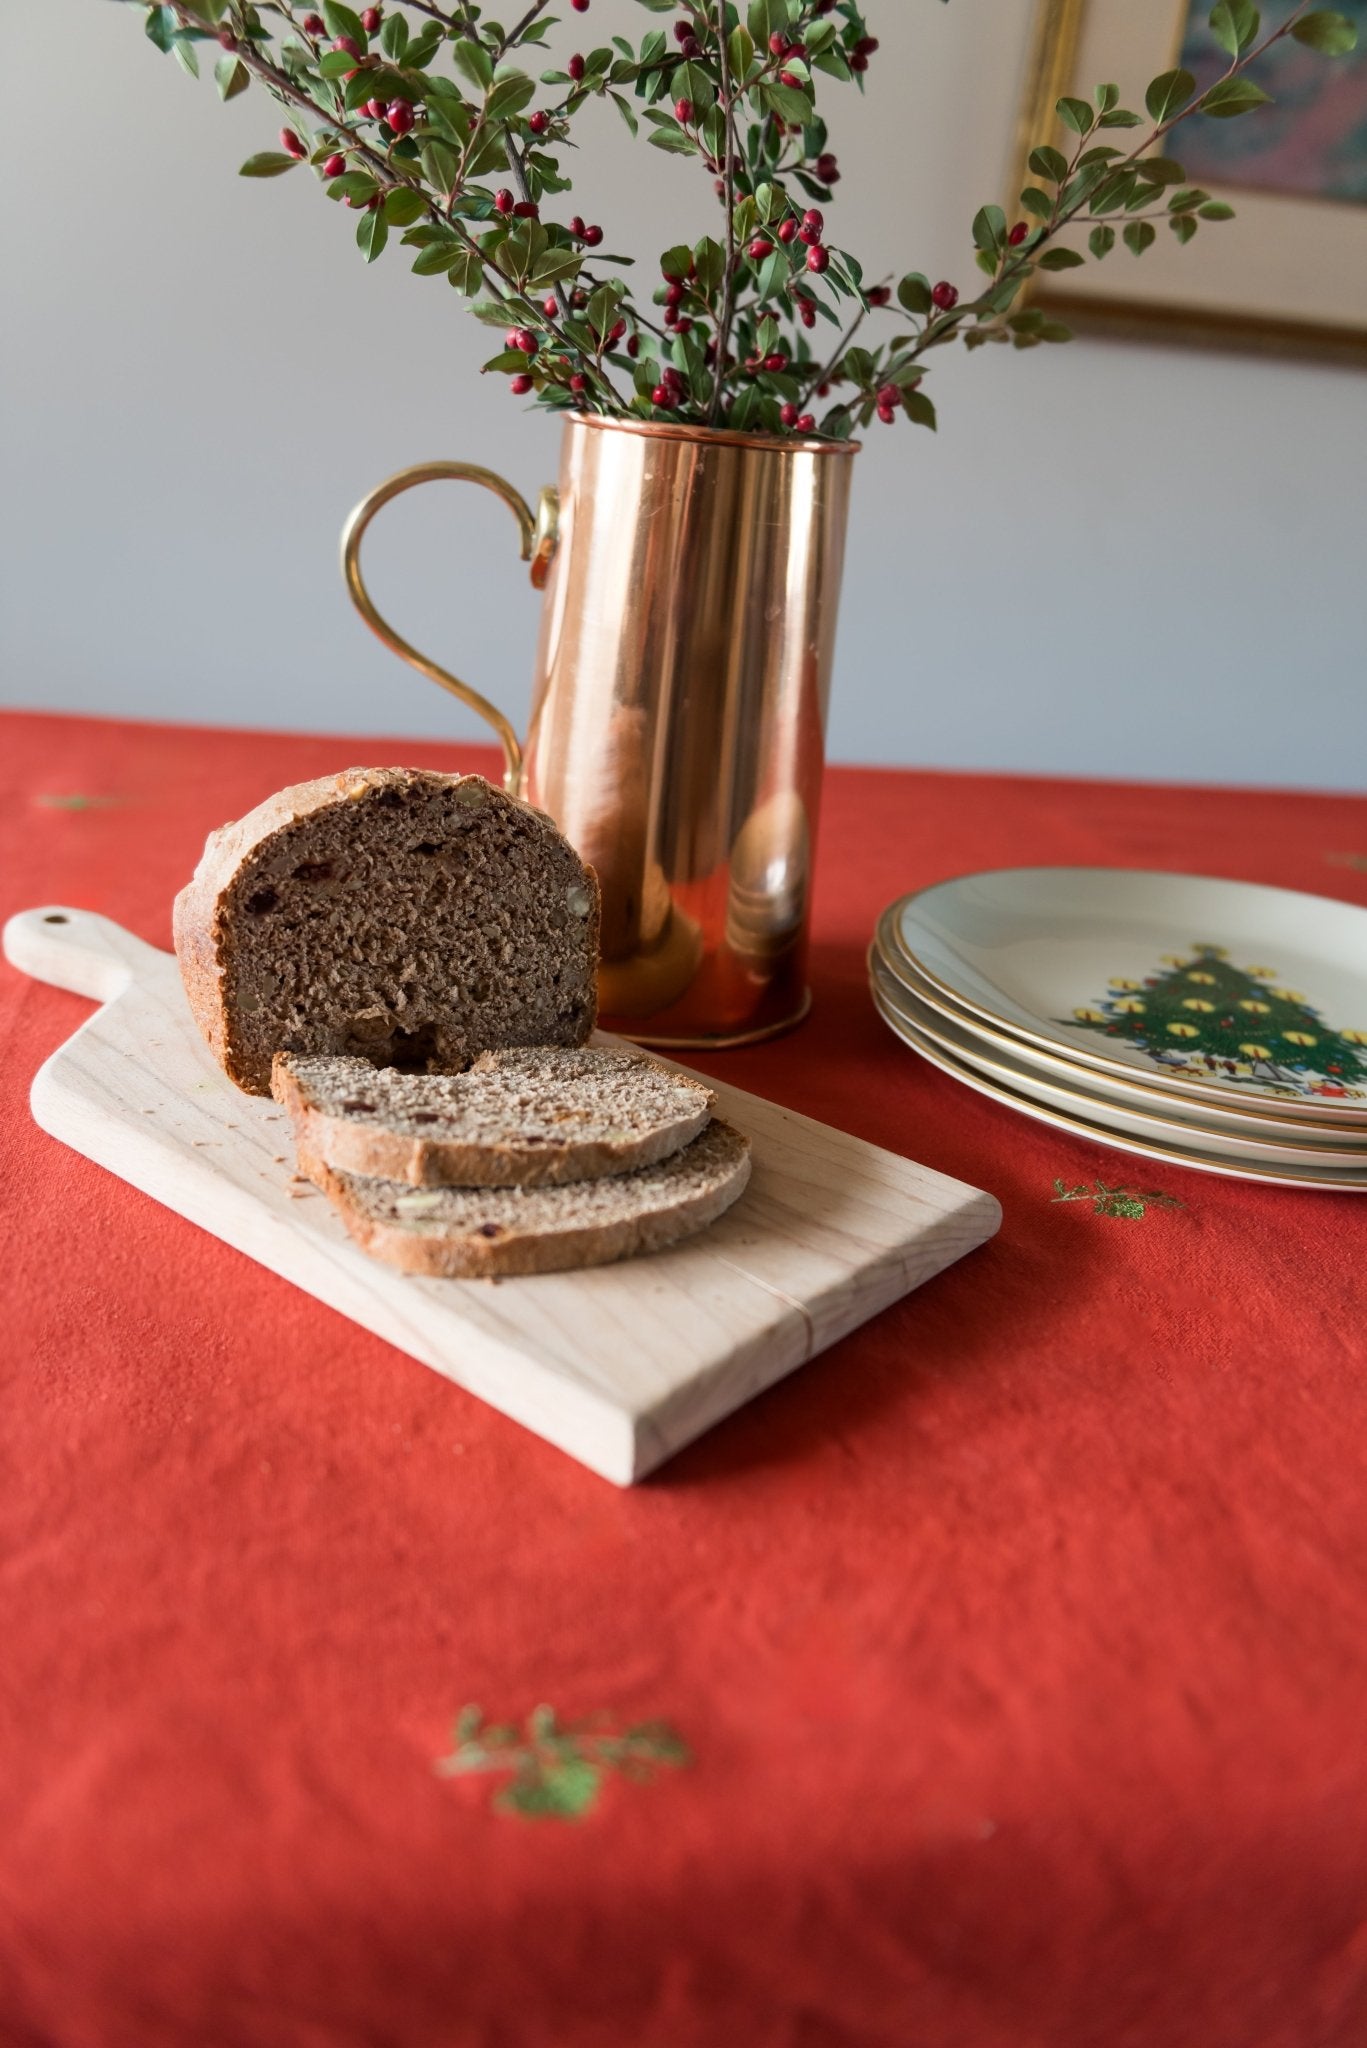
<point>412,110</point>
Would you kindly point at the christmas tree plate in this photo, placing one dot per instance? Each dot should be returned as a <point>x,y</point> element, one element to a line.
<point>1198,1157</point>
<point>1235,992</point>
<point>1160,1123</point>
<point>968,1037</point>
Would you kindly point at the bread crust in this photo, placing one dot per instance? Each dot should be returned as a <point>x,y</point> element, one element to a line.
<point>467,1255</point>
<point>199,924</point>
<point>376,1153</point>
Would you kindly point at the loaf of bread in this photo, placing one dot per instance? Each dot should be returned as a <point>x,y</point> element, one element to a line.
<point>408,918</point>
<point>487,1233</point>
<point>534,1118</point>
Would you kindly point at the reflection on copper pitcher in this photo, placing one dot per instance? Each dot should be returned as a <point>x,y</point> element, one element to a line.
<point>690,582</point>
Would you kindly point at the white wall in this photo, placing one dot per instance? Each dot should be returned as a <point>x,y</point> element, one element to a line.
<point>1110,560</point>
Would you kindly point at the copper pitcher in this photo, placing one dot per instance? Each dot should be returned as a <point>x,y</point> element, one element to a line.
<point>677,731</point>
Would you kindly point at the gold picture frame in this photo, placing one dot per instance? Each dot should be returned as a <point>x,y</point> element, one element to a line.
<point>1221,293</point>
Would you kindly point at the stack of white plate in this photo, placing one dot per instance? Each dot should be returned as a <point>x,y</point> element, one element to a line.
<point>1216,1024</point>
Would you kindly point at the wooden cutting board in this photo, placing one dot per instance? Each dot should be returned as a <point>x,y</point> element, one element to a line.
<point>620,1366</point>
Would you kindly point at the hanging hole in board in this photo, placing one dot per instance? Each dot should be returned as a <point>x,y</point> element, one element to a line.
<point>56,917</point>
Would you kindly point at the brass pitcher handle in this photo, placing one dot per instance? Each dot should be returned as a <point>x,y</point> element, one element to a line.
<point>537,531</point>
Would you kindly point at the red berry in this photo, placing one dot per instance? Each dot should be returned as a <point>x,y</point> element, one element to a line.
<point>778,44</point>
<point>592,236</point>
<point>1018,233</point>
<point>314,25</point>
<point>575,67</point>
<point>580,6</point>
<point>349,44</point>
<point>674,294</point>
<point>371,20</point>
<point>806,423</point>
<point>827,169</point>
<point>399,116</point>
<point>662,395</point>
<point>683,326</point>
<point>503,200</point>
<point>866,46</point>
<point>786,230</point>
<point>523,338</point>
<point>616,331</point>
<point>683,32</point>
<point>526,209</point>
<point>634,345</point>
<point>817,259</point>
<point>579,382</point>
<point>945,296</point>
<point>683,112</point>
<point>789,415</point>
<point>776,362</point>
<point>860,63</point>
<point>229,40</point>
<point>888,394</point>
<point>760,248</point>
<point>550,305</point>
<point>789,78</point>
<point>539,122</point>
<point>334,166</point>
<point>815,218</point>
<point>520,384</point>
<point>291,144</point>
<point>886,415</point>
<point>576,224</point>
<point>690,46</point>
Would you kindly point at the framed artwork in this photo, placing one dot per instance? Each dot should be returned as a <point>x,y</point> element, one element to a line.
<point>1289,273</point>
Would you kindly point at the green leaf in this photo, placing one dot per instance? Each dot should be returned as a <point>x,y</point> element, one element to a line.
<point>1048,162</point>
<point>786,101</point>
<point>556,266</point>
<point>675,262</point>
<point>1231,96</point>
<point>467,275</point>
<point>1217,209</point>
<point>437,257</point>
<point>1139,235</point>
<point>1061,259</point>
<point>1106,97</point>
<point>765,18</point>
<point>1327,31</point>
<point>184,53</point>
<point>1187,201</point>
<point>740,53</point>
<point>352,185</point>
<point>1075,114</point>
<point>773,274</point>
<point>1161,170</point>
<point>989,229</point>
<point>1101,241</point>
<point>267,163</point>
<point>394,37</point>
<point>372,232</point>
<point>709,261</point>
<point>1169,92</point>
<point>919,409</point>
<point>624,108</point>
<point>423,47</point>
<point>509,96</point>
<point>336,63</point>
<point>562,1791</point>
<point>160,28</point>
<point>1054,330</point>
<point>1036,201</point>
<point>341,21</point>
<point>473,61</point>
<point>673,140</point>
<point>913,293</point>
<point>402,206</point>
<point>231,77</point>
<point>1183,226</point>
<point>440,163</point>
<point>1234,24</point>
<point>1120,117</point>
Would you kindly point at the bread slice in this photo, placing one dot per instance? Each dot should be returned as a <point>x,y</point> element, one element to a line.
<point>528,1118</point>
<point>487,1233</point>
<point>412,918</point>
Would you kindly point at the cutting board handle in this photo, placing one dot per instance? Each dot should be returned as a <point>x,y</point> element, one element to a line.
<point>77,950</point>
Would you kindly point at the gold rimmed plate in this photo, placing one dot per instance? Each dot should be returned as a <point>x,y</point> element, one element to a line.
<point>1229,991</point>
<point>967,1036</point>
<point>1155,1123</point>
<point>1339,1180</point>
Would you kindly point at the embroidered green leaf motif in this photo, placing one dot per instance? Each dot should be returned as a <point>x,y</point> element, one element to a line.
<point>1127,1203</point>
<point>557,1771</point>
<point>74,803</point>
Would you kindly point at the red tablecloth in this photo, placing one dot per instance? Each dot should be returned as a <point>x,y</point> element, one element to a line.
<point>1020,1642</point>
